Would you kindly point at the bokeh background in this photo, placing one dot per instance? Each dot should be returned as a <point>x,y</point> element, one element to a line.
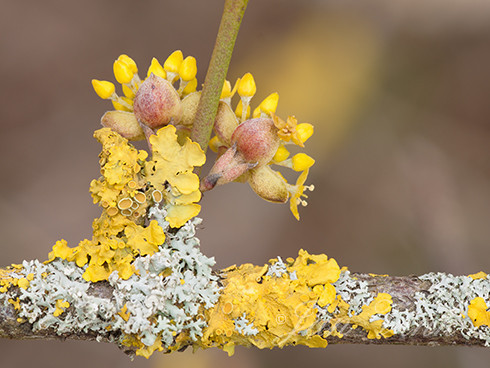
<point>399,93</point>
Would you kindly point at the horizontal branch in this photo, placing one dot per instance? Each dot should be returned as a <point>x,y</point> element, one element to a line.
<point>307,300</point>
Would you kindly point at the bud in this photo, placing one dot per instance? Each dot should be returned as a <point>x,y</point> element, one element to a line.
<point>246,86</point>
<point>188,69</point>
<point>256,140</point>
<point>123,72</point>
<point>124,123</point>
<point>269,105</point>
<point>253,144</point>
<point>189,108</point>
<point>225,123</point>
<point>104,89</point>
<point>157,103</point>
<point>172,64</point>
<point>130,62</point>
<point>157,69</point>
<point>227,168</point>
<point>268,184</point>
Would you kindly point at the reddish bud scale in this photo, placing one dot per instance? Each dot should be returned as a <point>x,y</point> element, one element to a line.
<point>157,103</point>
<point>256,140</point>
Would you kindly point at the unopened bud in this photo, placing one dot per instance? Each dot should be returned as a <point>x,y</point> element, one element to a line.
<point>225,123</point>
<point>104,89</point>
<point>188,69</point>
<point>124,123</point>
<point>268,184</point>
<point>246,87</point>
<point>157,69</point>
<point>157,103</point>
<point>189,108</point>
<point>256,140</point>
<point>228,167</point>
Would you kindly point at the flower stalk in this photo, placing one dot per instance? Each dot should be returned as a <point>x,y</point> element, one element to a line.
<point>218,67</point>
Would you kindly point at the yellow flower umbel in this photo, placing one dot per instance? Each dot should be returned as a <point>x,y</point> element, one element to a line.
<point>251,148</point>
<point>123,120</point>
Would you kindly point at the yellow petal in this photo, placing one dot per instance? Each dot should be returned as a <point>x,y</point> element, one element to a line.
<point>130,62</point>
<point>104,89</point>
<point>172,64</point>
<point>269,105</point>
<point>188,69</point>
<point>281,154</point>
<point>157,69</point>
<point>302,161</point>
<point>305,131</point>
<point>246,86</point>
<point>123,72</point>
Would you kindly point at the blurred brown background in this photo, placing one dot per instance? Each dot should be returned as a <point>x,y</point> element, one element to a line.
<point>399,94</point>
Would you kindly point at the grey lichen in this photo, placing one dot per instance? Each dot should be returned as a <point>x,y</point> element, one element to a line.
<point>443,308</point>
<point>162,299</point>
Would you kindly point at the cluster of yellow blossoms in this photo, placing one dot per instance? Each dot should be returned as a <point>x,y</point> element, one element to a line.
<point>177,68</point>
<point>289,132</point>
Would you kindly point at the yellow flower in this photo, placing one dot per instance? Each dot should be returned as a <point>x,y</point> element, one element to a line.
<point>297,191</point>
<point>287,129</point>
<point>126,73</point>
<point>266,182</point>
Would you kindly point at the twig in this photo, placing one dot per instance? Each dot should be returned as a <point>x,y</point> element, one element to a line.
<point>218,67</point>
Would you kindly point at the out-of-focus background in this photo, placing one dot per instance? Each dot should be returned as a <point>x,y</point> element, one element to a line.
<point>399,93</point>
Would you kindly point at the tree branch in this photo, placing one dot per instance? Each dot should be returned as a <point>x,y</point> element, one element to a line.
<point>290,299</point>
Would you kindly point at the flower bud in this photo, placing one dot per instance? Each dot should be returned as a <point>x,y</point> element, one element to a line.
<point>256,140</point>
<point>268,184</point>
<point>225,123</point>
<point>172,64</point>
<point>157,69</point>
<point>124,123</point>
<point>228,167</point>
<point>188,69</point>
<point>104,89</point>
<point>246,86</point>
<point>157,103</point>
<point>123,72</point>
<point>189,109</point>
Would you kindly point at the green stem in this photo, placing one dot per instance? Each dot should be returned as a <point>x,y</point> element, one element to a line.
<point>218,67</point>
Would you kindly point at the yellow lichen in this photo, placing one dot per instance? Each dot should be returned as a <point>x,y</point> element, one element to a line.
<point>478,275</point>
<point>173,163</point>
<point>478,313</point>
<point>61,305</point>
<point>278,307</point>
<point>379,306</point>
<point>15,303</point>
<point>124,313</point>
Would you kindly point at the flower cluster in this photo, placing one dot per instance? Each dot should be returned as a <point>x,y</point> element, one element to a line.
<point>150,103</point>
<point>248,147</point>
